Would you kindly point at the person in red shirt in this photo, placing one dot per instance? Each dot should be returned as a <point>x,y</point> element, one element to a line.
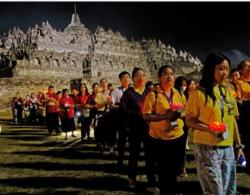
<point>52,116</point>
<point>66,106</point>
<point>84,118</point>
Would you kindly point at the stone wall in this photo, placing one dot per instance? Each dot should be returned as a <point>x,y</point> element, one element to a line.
<point>43,56</point>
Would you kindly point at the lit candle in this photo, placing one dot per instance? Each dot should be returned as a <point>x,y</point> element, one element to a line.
<point>217,126</point>
<point>177,107</point>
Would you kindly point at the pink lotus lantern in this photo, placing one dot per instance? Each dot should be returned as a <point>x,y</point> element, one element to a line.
<point>178,107</point>
<point>217,126</point>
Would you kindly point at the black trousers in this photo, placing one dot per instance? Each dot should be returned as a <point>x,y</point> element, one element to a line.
<point>52,121</point>
<point>109,128</point>
<point>122,125</point>
<point>168,158</point>
<point>138,135</point>
<point>85,126</point>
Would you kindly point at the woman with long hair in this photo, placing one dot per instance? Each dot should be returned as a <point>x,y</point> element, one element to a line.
<point>210,112</point>
<point>85,119</point>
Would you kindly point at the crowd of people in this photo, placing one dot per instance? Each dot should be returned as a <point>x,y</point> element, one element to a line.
<point>159,117</point>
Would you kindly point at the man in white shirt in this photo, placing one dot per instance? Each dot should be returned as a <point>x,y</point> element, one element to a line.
<point>116,94</point>
<point>119,119</point>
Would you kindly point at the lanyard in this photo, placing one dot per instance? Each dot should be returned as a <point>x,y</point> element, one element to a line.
<point>222,103</point>
<point>170,98</point>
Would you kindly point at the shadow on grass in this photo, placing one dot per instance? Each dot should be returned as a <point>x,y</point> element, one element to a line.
<point>191,170</point>
<point>61,144</point>
<point>24,134</point>
<point>27,126</point>
<point>27,138</point>
<point>241,169</point>
<point>40,144</point>
<point>189,156</point>
<point>108,167</point>
<point>16,130</point>
<point>50,191</point>
<point>105,183</point>
<point>73,154</point>
<point>243,190</point>
<point>189,188</point>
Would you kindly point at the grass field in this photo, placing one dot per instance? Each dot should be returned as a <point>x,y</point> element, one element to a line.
<point>31,162</point>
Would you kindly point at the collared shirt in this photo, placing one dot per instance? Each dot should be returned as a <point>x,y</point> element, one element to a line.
<point>132,101</point>
<point>160,105</point>
<point>139,90</point>
<point>116,95</point>
<point>244,88</point>
<point>210,112</point>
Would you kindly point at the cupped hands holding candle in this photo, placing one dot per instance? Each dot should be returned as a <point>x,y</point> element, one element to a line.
<point>178,107</point>
<point>217,128</point>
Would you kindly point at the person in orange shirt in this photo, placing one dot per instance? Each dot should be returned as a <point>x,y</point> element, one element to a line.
<point>210,112</point>
<point>163,112</point>
<point>243,82</point>
<point>232,83</point>
<point>243,85</point>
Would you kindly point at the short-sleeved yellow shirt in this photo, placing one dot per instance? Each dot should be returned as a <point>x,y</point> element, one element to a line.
<point>209,112</point>
<point>160,105</point>
<point>244,88</point>
<point>102,100</point>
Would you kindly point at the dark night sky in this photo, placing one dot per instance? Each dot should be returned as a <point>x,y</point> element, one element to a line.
<point>197,27</point>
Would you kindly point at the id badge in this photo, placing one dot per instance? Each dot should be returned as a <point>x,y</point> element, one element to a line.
<point>225,134</point>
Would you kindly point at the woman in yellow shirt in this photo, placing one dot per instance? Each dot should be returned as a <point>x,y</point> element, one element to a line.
<point>162,110</point>
<point>210,112</point>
